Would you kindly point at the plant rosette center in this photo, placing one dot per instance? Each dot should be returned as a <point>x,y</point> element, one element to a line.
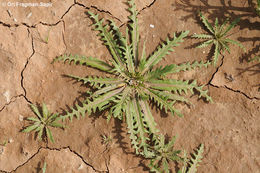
<point>134,80</point>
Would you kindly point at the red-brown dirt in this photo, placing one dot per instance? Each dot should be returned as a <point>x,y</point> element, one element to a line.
<point>229,128</point>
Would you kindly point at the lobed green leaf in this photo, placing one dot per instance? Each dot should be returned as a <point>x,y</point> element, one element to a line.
<point>207,24</point>
<point>163,50</point>
<point>36,110</point>
<point>172,85</point>
<point>205,44</point>
<point>134,29</point>
<point>235,43</point>
<point>159,72</point>
<point>216,53</point>
<point>82,60</point>
<point>232,25</point>
<point>131,126</point>
<point>148,117</point>
<point>107,38</point>
<point>187,66</point>
<point>203,36</point>
<point>31,128</point>
<point>162,101</point>
<point>49,134</point>
<point>98,81</point>
<point>194,162</point>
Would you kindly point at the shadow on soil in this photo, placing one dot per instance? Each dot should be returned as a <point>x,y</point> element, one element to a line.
<point>223,11</point>
<point>252,69</point>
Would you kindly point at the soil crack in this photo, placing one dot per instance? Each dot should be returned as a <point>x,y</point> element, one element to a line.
<point>81,157</point>
<point>107,12</point>
<point>110,14</point>
<point>74,152</point>
<point>99,10</point>
<point>16,25</point>
<point>61,18</point>
<point>40,22</point>
<point>67,11</point>
<point>147,6</point>
<point>50,24</point>
<point>213,75</point>
<point>237,91</point>
<point>226,87</point>
<point>82,5</point>
<point>8,25</point>
<point>13,99</point>
<point>52,149</point>
<point>22,75</point>
<point>107,166</point>
<point>26,161</point>
<point>241,92</point>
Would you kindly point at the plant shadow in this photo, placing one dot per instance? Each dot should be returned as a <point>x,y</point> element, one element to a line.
<point>224,10</point>
<point>38,168</point>
<point>118,131</point>
<point>253,69</point>
<point>249,55</point>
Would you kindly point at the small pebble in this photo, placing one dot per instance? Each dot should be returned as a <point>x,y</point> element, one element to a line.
<point>20,118</point>
<point>25,152</point>
<point>7,96</point>
<point>203,52</point>
<point>1,150</point>
<point>151,25</point>
<point>10,140</point>
<point>15,20</point>
<point>53,13</point>
<point>80,167</point>
<point>29,15</point>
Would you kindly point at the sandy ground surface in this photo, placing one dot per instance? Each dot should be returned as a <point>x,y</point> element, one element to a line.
<point>229,127</point>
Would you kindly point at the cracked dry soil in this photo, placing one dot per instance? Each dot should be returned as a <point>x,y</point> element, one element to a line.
<point>229,127</point>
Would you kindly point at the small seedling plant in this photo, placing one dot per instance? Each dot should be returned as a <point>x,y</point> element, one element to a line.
<point>4,143</point>
<point>165,152</point>
<point>106,139</point>
<point>42,123</point>
<point>218,36</point>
